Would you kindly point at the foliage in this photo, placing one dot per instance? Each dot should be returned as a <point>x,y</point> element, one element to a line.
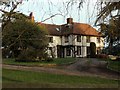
<point>26,36</point>
<point>9,17</point>
<point>49,59</point>
<point>92,49</point>
<point>21,34</point>
<point>27,55</point>
<point>103,56</point>
<point>108,20</point>
<point>115,50</point>
<point>54,61</point>
<point>114,65</point>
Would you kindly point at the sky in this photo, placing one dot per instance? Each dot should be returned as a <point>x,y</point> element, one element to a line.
<point>43,9</point>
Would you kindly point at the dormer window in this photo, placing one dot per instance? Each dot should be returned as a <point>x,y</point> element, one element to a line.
<point>78,38</point>
<point>57,29</point>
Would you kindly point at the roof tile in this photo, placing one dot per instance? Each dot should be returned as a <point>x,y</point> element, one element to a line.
<point>75,28</point>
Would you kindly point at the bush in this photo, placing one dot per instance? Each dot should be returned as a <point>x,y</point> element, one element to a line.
<point>105,56</point>
<point>118,58</point>
<point>49,59</point>
<point>33,55</point>
<point>27,55</point>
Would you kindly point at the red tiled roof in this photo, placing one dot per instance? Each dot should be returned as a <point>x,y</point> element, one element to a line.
<point>80,28</point>
<point>75,28</point>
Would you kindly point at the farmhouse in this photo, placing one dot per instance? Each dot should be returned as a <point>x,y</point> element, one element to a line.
<point>72,39</point>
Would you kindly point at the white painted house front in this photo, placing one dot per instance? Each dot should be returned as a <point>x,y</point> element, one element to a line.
<point>72,39</point>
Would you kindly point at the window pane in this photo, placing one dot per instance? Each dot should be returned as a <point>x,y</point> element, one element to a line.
<point>51,39</point>
<point>79,38</point>
<point>68,51</point>
<point>88,39</point>
<point>66,39</point>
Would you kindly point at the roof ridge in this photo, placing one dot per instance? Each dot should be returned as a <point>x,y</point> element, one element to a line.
<point>48,24</point>
<point>81,23</point>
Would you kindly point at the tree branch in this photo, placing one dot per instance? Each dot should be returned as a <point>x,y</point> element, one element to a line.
<point>51,17</point>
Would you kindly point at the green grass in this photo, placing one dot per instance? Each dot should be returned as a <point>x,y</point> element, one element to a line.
<point>56,61</point>
<point>39,79</point>
<point>114,65</point>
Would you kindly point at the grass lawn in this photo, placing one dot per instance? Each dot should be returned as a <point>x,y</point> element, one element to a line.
<point>114,65</point>
<point>56,61</point>
<point>17,78</point>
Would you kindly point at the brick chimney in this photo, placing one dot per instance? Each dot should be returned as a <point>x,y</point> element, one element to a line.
<point>69,20</point>
<point>31,16</point>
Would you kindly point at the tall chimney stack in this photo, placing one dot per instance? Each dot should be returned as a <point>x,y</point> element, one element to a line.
<point>31,16</point>
<point>69,20</point>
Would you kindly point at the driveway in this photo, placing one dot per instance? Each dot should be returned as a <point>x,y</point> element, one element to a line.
<point>93,66</point>
<point>83,67</point>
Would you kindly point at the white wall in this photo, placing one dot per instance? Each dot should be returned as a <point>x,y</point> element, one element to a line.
<point>56,41</point>
<point>83,43</point>
<point>72,40</point>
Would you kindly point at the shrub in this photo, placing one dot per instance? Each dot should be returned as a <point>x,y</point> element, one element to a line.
<point>49,59</point>
<point>27,55</point>
<point>102,56</point>
<point>118,58</point>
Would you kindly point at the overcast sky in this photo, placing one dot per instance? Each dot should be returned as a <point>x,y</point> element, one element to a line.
<point>43,9</point>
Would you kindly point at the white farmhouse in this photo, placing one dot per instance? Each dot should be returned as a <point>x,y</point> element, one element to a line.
<point>72,39</point>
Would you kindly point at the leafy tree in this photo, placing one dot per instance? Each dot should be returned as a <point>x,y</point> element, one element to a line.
<point>110,20</point>
<point>23,36</point>
<point>26,37</point>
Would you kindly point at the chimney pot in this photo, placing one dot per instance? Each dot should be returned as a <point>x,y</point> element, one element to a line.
<point>31,16</point>
<point>69,20</point>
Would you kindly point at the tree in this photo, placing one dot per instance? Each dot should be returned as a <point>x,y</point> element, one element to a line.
<point>109,20</point>
<point>21,34</point>
<point>26,37</point>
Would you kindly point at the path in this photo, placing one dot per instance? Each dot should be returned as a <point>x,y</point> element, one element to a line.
<point>94,67</point>
<point>83,67</point>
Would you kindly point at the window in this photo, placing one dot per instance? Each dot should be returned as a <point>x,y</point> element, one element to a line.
<point>88,39</point>
<point>51,39</point>
<point>66,39</point>
<point>79,50</point>
<point>68,51</point>
<point>50,48</point>
<point>79,38</point>
<point>98,39</point>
